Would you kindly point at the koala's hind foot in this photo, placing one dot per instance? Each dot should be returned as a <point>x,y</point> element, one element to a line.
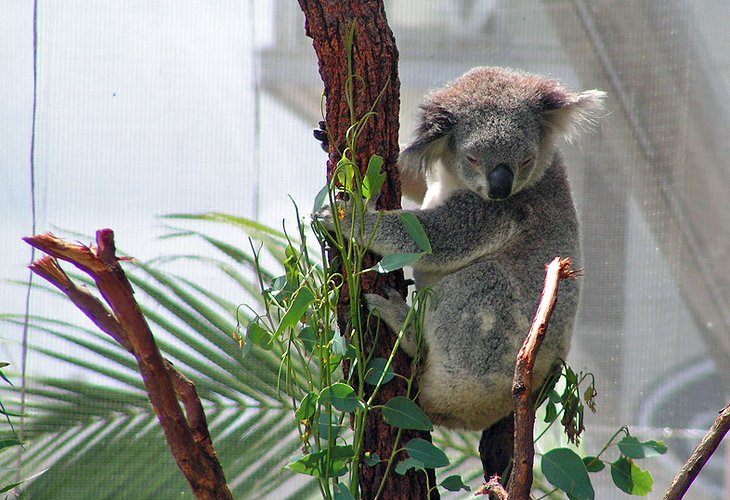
<point>393,310</point>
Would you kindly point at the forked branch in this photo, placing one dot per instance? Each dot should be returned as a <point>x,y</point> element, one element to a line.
<point>188,437</point>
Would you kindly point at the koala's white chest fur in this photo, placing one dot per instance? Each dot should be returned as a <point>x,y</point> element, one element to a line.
<point>440,184</point>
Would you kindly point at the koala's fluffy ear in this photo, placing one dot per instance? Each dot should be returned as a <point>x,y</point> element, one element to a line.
<point>568,113</point>
<point>432,137</point>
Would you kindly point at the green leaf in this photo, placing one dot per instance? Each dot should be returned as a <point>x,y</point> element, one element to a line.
<point>340,346</point>
<point>454,483</point>
<point>258,335</point>
<point>345,173</point>
<point>404,413</point>
<point>341,396</point>
<point>426,453</point>
<point>296,311</point>
<point>375,369</point>
<point>320,199</point>
<point>374,178</point>
<point>371,459</point>
<point>565,470</point>
<point>308,406</point>
<point>396,261</point>
<point>551,412</point>
<point>329,426</point>
<point>316,464</point>
<point>341,492</point>
<point>594,464</point>
<point>630,478</point>
<point>633,448</point>
<point>409,463</point>
<point>415,230</point>
<point>554,397</point>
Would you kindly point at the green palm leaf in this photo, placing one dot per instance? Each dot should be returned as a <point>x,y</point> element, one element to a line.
<point>96,432</point>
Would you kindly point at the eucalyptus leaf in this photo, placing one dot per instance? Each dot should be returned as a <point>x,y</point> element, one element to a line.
<point>308,406</point>
<point>429,455</point>
<point>332,461</point>
<point>402,412</point>
<point>341,492</point>
<point>342,396</point>
<point>374,178</point>
<point>594,464</point>
<point>376,369</point>
<point>371,459</point>
<point>396,261</point>
<point>320,199</point>
<point>633,448</point>
<point>258,335</point>
<point>454,483</point>
<point>564,469</point>
<point>409,463</point>
<point>415,230</point>
<point>630,478</point>
<point>296,310</point>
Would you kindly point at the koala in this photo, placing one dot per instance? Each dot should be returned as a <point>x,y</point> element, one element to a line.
<point>497,208</point>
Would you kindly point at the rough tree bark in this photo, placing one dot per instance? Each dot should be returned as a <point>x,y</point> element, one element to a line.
<point>375,62</point>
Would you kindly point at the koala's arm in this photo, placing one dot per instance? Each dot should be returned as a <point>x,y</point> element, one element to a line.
<point>460,231</point>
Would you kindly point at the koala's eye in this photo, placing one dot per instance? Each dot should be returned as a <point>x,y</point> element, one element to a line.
<point>474,162</point>
<point>526,162</point>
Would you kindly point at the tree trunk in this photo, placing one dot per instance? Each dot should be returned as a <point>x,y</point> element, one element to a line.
<point>375,62</point>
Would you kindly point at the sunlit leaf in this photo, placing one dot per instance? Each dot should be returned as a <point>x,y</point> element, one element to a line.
<point>415,230</point>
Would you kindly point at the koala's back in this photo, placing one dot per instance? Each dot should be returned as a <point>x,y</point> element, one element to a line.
<point>480,313</point>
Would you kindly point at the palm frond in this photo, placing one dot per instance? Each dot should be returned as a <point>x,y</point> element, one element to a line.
<point>97,433</point>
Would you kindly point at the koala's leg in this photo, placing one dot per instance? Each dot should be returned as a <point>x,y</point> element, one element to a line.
<point>393,310</point>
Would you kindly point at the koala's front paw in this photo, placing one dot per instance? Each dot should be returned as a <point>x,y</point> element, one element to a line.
<point>326,216</point>
<point>393,310</point>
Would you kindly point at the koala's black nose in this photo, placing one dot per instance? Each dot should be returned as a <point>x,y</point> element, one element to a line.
<point>500,182</point>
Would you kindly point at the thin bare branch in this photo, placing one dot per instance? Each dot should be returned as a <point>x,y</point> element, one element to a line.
<point>700,456</point>
<point>521,478</point>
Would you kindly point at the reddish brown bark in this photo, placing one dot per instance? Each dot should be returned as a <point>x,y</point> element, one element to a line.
<point>375,62</point>
<point>187,436</point>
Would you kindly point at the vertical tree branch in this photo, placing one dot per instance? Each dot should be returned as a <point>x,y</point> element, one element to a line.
<point>524,449</point>
<point>375,64</point>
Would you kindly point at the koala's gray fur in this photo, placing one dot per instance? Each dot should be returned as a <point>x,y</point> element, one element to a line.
<point>497,208</point>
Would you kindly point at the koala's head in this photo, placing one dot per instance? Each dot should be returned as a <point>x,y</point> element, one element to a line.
<point>495,128</point>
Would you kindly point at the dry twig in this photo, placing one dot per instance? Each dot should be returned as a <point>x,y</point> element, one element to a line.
<point>188,437</point>
<point>700,456</point>
<point>521,479</point>
<point>524,450</point>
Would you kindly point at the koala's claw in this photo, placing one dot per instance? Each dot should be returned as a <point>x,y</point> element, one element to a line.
<point>393,311</point>
<point>321,135</point>
<point>325,217</point>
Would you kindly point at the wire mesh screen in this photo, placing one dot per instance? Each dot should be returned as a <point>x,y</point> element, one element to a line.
<point>651,181</point>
